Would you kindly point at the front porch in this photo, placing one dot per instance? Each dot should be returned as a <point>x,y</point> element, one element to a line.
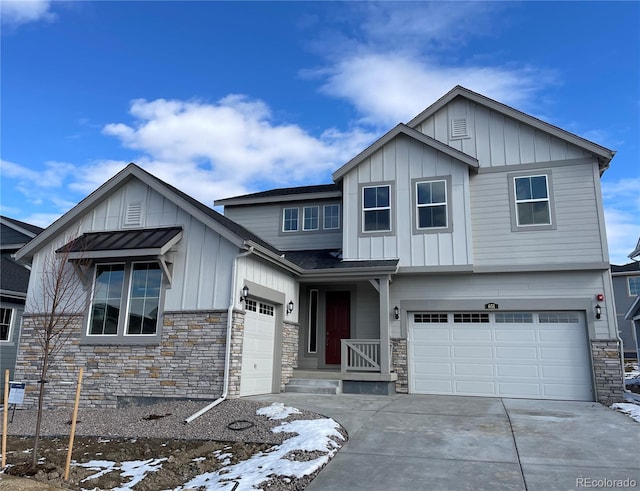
<point>359,373</point>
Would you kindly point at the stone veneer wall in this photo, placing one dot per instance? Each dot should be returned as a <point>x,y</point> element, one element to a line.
<point>235,364</point>
<point>290,338</point>
<point>607,369</point>
<point>189,363</point>
<point>399,364</point>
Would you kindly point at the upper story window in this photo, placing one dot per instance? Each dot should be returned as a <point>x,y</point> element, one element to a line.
<point>6,316</point>
<point>311,218</point>
<point>531,201</point>
<point>331,217</point>
<point>431,201</point>
<point>634,285</point>
<point>290,220</point>
<point>376,208</point>
<point>125,305</point>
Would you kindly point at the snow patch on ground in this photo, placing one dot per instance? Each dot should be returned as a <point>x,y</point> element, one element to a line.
<point>316,435</point>
<point>632,410</point>
<point>315,440</point>
<point>277,410</point>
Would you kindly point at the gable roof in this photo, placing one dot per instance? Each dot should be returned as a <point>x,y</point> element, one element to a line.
<point>227,228</point>
<point>14,233</point>
<point>402,129</point>
<point>321,191</point>
<point>14,279</point>
<point>604,154</point>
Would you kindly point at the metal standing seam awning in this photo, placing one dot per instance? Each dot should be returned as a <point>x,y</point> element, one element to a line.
<point>150,242</point>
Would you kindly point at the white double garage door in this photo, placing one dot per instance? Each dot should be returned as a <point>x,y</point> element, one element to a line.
<point>541,355</point>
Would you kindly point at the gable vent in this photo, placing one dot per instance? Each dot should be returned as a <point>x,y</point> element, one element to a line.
<point>133,215</point>
<point>459,128</point>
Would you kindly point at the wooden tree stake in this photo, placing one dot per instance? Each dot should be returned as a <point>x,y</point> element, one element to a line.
<point>73,426</point>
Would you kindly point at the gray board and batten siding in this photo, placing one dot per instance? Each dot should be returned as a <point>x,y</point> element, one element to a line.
<point>201,260</point>
<point>265,220</point>
<point>400,162</point>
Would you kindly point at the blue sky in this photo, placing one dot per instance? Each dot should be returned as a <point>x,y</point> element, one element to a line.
<point>222,98</point>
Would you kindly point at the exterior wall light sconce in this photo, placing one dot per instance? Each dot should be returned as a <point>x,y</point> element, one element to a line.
<point>396,313</point>
<point>598,311</point>
<point>290,307</point>
<point>244,293</point>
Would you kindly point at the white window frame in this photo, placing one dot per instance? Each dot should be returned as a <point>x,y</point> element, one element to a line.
<point>304,218</point>
<point>417,229</point>
<point>324,216</point>
<point>285,220</point>
<point>12,313</point>
<point>526,201</point>
<point>636,279</point>
<point>516,226</point>
<point>364,210</point>
<point>122,336</point>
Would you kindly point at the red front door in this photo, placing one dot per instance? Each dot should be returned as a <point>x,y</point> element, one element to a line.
<point>338,324</point>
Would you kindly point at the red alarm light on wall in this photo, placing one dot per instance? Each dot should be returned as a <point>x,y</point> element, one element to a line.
<point>599,297</point>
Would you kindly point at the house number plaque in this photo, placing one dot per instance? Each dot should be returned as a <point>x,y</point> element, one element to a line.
<point>491,306</point>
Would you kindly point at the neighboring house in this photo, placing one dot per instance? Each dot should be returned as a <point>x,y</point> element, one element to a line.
<point>461,253</point>
<point>14,279</point>
<point>632,315</point>
<point>626,288</point>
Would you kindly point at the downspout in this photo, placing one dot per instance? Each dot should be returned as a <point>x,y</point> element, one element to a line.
<point>227,356</point>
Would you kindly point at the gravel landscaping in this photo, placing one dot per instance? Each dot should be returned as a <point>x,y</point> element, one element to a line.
<point>230,433</point>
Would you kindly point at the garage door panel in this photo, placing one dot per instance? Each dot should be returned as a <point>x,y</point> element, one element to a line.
<point>515,352</point>
<point>526,359</point>
<point>471,335</point>
<point>515,335</point>
<point>517,370</point>
<point>426,334</point>
<point>471,352</point>
<point>519,389</point>
<point>473,369</point>
<point>432,351</point>
<point>471,388</point>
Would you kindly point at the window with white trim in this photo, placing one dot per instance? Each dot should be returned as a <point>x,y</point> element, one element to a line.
<point>634,285</point>
<point>376,208</point>
<point>331,214</point>
<point>125,301</point>
<point>532,200</point>
<point>310,218</point>
<point>6,316</point>
<point>558,318</point>
<point>431,204</point>
<point>290,220</point>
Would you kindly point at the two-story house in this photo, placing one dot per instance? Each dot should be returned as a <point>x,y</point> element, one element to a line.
<point>461,253</point>
<point>14,279</point>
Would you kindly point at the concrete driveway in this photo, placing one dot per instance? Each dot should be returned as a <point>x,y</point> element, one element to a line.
<point>411,442</point>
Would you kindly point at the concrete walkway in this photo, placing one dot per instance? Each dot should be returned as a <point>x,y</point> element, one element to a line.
<point>410,442</point>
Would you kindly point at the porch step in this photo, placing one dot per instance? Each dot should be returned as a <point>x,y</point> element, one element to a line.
<point>314,386</point>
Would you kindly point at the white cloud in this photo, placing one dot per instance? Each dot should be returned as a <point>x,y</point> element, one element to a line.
<point>18,12</point>
<point>622,216</point>
<point>216,150</point>
<point>402,56</point>
<point>387,88</point>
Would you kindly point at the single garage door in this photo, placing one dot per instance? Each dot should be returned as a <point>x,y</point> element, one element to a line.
<point>508,354</point>
<point>256,375</point>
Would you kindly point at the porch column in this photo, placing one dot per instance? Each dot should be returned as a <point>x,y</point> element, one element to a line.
<point>385,362</point>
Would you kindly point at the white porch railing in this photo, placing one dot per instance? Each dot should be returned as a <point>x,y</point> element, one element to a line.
<point>360,355</point>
